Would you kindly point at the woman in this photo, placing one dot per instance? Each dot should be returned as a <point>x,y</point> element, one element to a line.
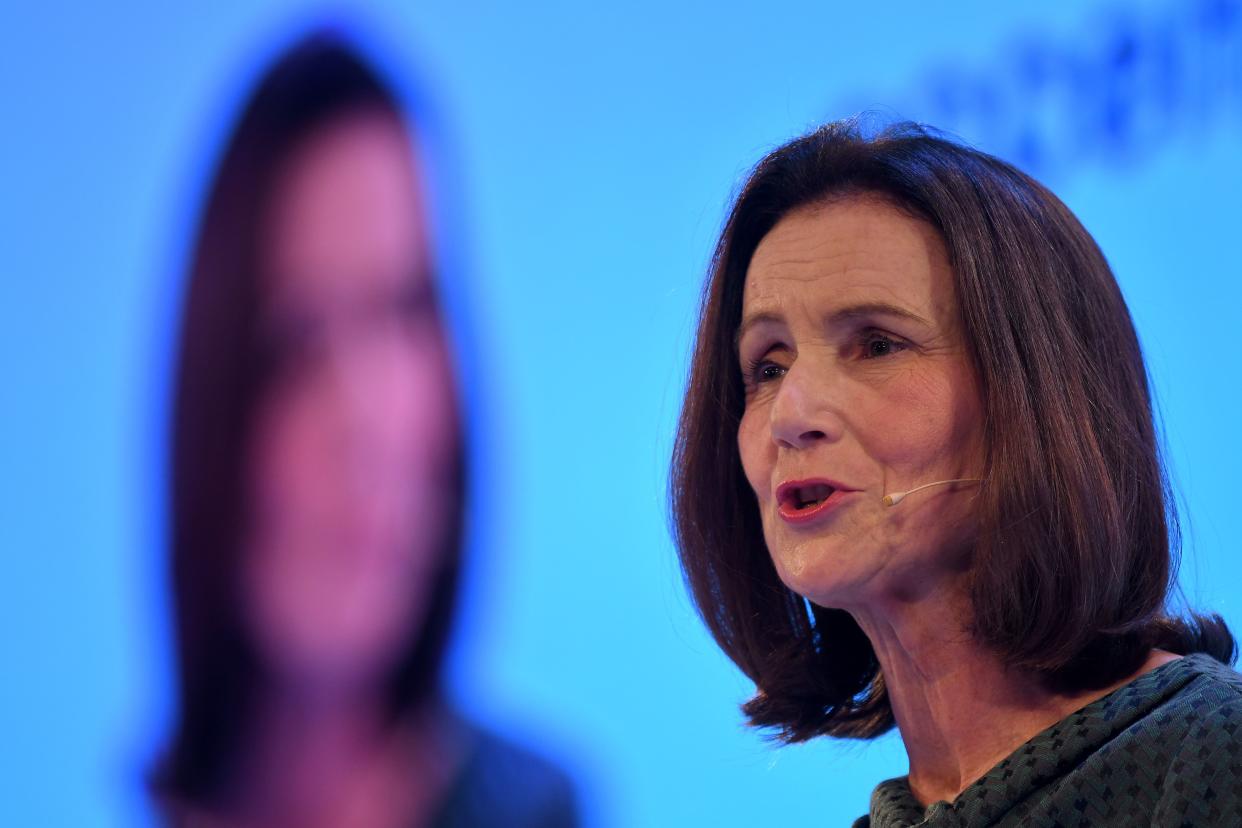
<point>317,486</point>
<point>916,482</point>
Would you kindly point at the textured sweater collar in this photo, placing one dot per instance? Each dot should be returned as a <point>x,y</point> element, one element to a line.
<point>1041,760</point>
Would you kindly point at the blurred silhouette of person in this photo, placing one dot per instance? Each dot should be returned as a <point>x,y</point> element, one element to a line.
<point>317,486</point>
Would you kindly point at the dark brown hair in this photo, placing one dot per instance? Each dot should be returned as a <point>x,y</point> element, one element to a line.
<point>220,377</point>
<point>1078,536</point>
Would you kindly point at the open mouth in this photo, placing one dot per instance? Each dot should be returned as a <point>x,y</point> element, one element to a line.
<point>803,497</point>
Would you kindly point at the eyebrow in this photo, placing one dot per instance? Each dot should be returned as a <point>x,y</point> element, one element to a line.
<point>845,314</point>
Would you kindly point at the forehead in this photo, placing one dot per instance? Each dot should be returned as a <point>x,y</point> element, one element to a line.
<point>346,206</point>
<point>860,249</point>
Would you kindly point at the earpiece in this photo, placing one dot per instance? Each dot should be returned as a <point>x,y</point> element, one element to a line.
<point>896,497</point>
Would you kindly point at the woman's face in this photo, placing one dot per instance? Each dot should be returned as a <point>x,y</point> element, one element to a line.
<point>858,385</point>
<point>352,447</point>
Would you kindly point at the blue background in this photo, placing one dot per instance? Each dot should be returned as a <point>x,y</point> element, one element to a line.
<point>593,150</point>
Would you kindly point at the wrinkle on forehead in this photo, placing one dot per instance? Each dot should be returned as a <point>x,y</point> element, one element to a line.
<point>861,247</point>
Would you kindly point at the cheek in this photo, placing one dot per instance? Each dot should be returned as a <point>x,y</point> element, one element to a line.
<point>421,413</point>
<point>757,451</point>
<point>922,422</point>
<point>288,465</point>
<point>932,432</point>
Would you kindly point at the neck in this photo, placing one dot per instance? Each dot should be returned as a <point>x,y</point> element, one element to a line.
<point>336,759</point>
<point>303,742</point>
<point>959,709</point>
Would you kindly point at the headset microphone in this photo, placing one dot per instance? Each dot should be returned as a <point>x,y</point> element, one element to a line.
<point>896,497</point>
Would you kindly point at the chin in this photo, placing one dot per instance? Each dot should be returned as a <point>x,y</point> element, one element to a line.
<point>337,663</point>
<point>809,572</point>
<point>820,575</point>
<point>337,644</point>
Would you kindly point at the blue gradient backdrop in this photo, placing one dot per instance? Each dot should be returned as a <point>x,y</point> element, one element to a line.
<point>594,149</point>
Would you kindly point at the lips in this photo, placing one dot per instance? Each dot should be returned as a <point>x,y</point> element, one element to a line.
<point>799,501</point>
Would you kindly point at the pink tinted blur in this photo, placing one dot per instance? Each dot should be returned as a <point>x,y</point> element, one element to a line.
<point>353,442</point>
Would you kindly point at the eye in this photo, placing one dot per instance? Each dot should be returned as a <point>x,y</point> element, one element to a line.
<point>876,344</point>
<point>762,370</point>
<point>291,346</point>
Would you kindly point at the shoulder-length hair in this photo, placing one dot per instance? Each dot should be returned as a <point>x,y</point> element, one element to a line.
<point>219,380</point>
<point>1078,536</point>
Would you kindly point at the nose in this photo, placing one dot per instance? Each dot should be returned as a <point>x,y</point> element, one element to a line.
<point>359,399</point>
<point>802,413</point>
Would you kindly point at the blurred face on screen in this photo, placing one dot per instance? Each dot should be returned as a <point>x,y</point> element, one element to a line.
<point>352,447</point>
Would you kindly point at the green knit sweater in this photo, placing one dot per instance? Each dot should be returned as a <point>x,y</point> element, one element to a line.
<point>1164,750</point>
